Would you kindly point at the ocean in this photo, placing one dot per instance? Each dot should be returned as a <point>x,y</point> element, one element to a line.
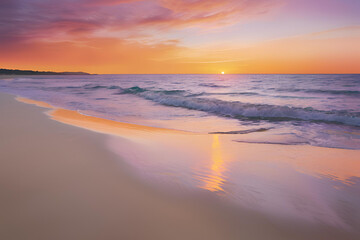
<point>317,110</point>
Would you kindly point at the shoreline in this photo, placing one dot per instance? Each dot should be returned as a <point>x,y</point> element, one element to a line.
<point>96,124</point>
<point>65,174</point>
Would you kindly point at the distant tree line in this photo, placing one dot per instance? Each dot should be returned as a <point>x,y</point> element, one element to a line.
<point>30,72</point>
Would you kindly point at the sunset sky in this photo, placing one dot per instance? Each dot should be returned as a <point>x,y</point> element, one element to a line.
<point>181,36</point>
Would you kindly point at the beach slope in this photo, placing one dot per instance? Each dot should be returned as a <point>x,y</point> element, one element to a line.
<point>59,182</point>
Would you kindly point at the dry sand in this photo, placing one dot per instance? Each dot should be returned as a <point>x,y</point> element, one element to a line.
<point>59,182</point>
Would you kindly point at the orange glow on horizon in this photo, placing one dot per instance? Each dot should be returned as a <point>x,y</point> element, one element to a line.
<point>181,37</point>
<point>110,56</point>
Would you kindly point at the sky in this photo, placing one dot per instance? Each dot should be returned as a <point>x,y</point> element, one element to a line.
<point>181,36</point>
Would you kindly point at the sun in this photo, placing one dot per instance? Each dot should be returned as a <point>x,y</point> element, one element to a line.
<point>222,72</point>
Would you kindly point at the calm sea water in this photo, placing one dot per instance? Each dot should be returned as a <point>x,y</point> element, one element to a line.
<point>319,110</point>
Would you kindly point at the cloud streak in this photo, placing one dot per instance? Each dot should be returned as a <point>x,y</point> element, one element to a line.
<point>46,19</point>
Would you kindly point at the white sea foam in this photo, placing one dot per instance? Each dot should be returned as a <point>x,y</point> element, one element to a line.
<point>240,110</point>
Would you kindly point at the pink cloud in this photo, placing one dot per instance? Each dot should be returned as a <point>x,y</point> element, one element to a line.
<point>44,19</point>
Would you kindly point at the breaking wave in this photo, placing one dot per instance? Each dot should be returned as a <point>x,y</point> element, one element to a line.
<point>240,110</point>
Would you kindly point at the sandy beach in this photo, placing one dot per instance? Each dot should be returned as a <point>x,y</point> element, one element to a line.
<point>61,182</point>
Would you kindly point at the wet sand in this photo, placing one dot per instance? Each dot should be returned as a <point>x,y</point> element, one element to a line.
<point>60,182</point>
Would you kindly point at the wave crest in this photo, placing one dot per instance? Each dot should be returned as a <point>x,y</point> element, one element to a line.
<point>242,110</point>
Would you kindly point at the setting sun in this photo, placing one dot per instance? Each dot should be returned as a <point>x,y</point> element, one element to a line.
<point>222,72</point>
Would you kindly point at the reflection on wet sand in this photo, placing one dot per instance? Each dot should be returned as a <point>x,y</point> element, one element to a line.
<point>103,125</point>
<point>215,179</point>
<point>342,166</point>
<point>34,102</point>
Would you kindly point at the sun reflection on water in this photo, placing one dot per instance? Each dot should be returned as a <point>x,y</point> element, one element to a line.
<point>214,180</point>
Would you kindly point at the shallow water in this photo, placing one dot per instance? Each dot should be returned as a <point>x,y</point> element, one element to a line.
<point>319,110</point>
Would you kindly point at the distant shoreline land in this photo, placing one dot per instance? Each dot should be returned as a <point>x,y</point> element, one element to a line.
<point>31,72</point>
